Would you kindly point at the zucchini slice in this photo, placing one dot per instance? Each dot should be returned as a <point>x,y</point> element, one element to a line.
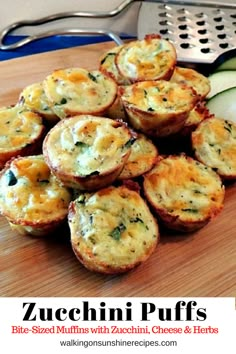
<point>223,104</point>
<point>229,64</point>
<point>220,81</point>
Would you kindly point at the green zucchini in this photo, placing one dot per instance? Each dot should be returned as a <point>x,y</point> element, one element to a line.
<point>223,104</point>
<point>220,81</point>
<point>229,64</point>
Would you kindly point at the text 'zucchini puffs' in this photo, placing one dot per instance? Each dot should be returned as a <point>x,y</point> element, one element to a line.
<point>74,91</point>
<point>112,230</point>
<point>214,144</point>
<point>22,132</point>
<point>158,108</point>
<point>87,152</point>
<point>31,197</point>
<point>183,192</point>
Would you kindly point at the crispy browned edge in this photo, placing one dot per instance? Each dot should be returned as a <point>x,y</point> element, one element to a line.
<point>174,222</point>
<point>225,177</point>
<point>156,124</point>
<point>100,267</point>
<point>169,70</point>
<point>42,227</point>
<point>89,182</point>
<point>99,112</point>
<point>202,96</point>
<point>152,163</point>
<point>34,147</point>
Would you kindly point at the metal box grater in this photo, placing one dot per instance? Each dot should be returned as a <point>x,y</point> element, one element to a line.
<point>203,32</point>
<point>200,33</point>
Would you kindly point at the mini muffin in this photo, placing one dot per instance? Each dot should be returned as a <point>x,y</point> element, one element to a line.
<point>108,66</point>
<point>142,158</point>
<point>76,91</point>
<point>87,152</point>
<point>214,144</point>
<point>22,132</point>
<point>33,97</point>
<point>158,108</point>
<point>31,197</point>
<point>112,230</point>
<point>152,58</point>
<point>184,193</point>
<point>191,77</point>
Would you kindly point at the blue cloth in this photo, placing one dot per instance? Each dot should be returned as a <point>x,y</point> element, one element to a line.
<point>49,44</point>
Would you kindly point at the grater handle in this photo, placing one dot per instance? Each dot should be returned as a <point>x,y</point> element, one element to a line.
<point>94,14</point>
<point>63,31</point>
<point>7,30</point>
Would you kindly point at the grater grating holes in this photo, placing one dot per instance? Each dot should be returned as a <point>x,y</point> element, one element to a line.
<point>202,31</point>
<point>184,36</point>
<point>200,23</point>
<point>224,45</point>
<point>220,28</point>
<point>204,40</point>
<point>222,36</point>
<point>199,35</point>
<point>200,15</point>
<point>164,14</point>
<point>165,23</point>
<point>182,19</point>
<point>165,31</point>
<point>218,19</point>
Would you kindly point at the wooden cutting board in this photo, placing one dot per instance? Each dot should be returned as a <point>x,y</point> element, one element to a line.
<point>198,264</point>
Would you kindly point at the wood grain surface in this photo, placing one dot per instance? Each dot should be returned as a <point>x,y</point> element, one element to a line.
<point>198,264</point>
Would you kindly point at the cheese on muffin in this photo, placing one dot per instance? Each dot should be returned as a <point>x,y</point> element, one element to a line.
<point>158,108</point>
<point>152,58</point>
<point>22,132</point>
<point>214,144</point>
<point>185,193</point>
<point>74,91</point>
<point>31,198</point>
<point>142,158</point>
<point>112,230</point>
<point>87,152</point>
<point>191,77</point>
<point>33,97</point>
<point>108,66</point>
